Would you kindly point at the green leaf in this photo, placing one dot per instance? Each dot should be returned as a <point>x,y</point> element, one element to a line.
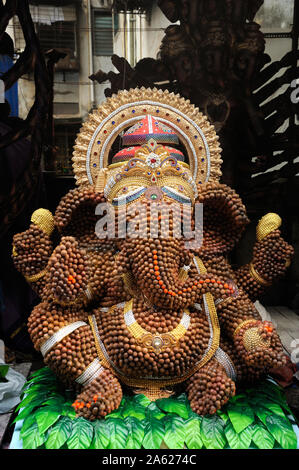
<point>153,411</point>
<point>3,370</point>
<point>241,416</point>
<point>142,400</point>
<point>262,413</point>
<point>68,410</point>
<point>59,433</point>
<point>174,436</point>
<point>265,402</point>
<point>29,401</point>
<point>132,408</point>
<point>101,437</point>
<point>55,400</point>
<point>39,387</point>
<point>40,380</point>
<point>261,437</point>
<point>43,372</point>
<point>135,429</point>
<point>26,411</point>
<point>178,405</point>
<point>40,375</point>
<point>286,408</point>
<point>271,386</point>
<point>239,440</point>
<point>212,432</point>
<point>46,417</point>
<point>81,435</point>
<point>118,412</point>
<point>36,391</point>
<point>28,422</point>
<point>40,393</point>
<point>275,408</point>
<point>272,391</point>
<point>282,431</point>
<point>193,438</point>
<point>123,401</point>
<point>118,433</point>
<point>33,439</point>
<point>115,414</point>
<point>153,433</point>
<point>222,415</point>
<point>239,396</point>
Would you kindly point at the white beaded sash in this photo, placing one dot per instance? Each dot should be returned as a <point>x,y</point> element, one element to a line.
<point>91,372</point>
<point>59,335</point>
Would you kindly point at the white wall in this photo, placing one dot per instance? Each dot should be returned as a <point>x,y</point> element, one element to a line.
<point>86,87</point>
<point>103,63</point>
<point>148,35</point>
<point>154,33</point>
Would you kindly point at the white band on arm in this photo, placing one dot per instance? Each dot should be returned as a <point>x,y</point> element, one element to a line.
<point>91,372</point>
<point>226,362</point>
<point>59,335</point>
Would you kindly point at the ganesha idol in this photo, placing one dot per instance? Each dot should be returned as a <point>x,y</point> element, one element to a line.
<point>148,313</point>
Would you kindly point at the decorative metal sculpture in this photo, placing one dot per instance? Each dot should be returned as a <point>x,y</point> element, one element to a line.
<point>145,311</point>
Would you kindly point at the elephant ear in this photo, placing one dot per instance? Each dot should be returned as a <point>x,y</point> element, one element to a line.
<point>224,218</point>
<point>75,215</point>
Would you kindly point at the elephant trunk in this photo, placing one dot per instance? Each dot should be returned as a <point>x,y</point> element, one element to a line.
<point>156,266</point>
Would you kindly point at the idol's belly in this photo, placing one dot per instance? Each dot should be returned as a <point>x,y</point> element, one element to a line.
<point>134,352</point>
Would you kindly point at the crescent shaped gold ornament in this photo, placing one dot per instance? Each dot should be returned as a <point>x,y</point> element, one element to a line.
<point>102,127</point>
<point>267,224</point>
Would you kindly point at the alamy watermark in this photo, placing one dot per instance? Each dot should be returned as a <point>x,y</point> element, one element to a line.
<point>295,351</point>
<point>156,220</point>
<point>295,93</point>
<point>2,91</point>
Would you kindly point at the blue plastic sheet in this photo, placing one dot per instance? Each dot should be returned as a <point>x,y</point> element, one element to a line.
<point>11,95</point>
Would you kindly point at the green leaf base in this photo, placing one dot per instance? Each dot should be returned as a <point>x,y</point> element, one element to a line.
<point>254,418</point>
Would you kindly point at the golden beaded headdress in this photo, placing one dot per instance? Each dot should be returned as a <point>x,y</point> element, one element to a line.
<point>152,173</point>
<point>104,125</point>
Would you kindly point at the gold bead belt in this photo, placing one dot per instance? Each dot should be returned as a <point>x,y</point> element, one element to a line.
<point>36,277</point>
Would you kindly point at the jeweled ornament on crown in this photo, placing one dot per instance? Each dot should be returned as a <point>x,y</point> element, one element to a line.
<point>153,160</point>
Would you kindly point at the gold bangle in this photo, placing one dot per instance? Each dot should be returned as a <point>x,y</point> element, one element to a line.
<point>257,277</point>
<point>36,277</point>
<point>241,325</point>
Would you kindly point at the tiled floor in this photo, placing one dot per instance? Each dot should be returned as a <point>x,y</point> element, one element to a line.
<point>287,324</point>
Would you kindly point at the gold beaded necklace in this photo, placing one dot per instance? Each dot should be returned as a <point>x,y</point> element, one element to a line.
<point>156,342</point>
